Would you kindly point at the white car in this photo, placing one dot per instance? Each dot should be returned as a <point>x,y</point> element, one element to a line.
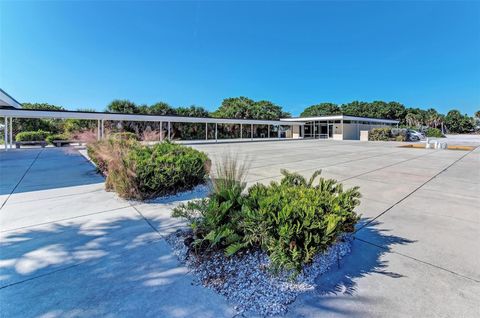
<point>414,135</point>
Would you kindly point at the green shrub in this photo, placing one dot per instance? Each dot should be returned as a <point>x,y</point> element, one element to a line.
<point>139,172</point>
<point>38,135</point>
<point>51,138</point>
<point>433,132</point>
<point>292,220</point>
<point>168,168</point>
<point>380,134</point>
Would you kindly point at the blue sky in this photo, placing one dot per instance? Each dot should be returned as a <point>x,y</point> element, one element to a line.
<point>85,54</point>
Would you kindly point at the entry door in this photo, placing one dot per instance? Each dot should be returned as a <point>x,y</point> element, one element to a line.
<point>330,130</point>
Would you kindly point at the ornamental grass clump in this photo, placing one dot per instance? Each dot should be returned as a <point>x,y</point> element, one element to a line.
<point>135,171</point>
<point>215,221</point>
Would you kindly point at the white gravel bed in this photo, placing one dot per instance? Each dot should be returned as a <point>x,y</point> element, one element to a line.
<point>245,280</point>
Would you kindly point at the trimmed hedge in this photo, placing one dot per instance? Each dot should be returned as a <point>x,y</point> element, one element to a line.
<point>140,172</point>
<point>51,138</point>
<point>38,135</point>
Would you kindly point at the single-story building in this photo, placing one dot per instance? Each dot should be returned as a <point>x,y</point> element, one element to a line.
<point>337,127</point>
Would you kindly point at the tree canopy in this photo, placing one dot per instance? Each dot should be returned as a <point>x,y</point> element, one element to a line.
<point>246,108</point>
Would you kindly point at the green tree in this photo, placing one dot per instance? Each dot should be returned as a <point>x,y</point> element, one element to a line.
<point>27,124</point>
<point>192,111</point>
<point>322,109</point>
<point>162,109</point>
<point>79,125</point>
<point>122,106</point>
<point>246,108</point>
<point>458,123</point>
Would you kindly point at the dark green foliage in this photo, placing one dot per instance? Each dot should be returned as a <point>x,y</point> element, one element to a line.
<point>458,123</point>
<point>79,125</point>
<point>292,220</point>
<point>51,138</point>
<point>322,109</point>
<point>32,124</point>
<point>140,172</point>
<point>387,134</point>
<point>168,168</point>
<point>433,132</point>
<point>38,135</point>
<point>246,108</point>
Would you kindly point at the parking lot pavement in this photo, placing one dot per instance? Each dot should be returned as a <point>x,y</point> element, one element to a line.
<point>67,247</point>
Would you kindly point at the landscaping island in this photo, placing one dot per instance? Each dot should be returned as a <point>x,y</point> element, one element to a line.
<point>259,247</point>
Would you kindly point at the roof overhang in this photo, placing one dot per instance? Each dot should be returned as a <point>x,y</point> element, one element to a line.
<point>8,101</point>
<point>60,114</point>
<point>340,117</point>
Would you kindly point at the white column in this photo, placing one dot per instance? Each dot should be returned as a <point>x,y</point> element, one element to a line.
<point>169,134</point>
<point>206,131</point>
<point>341,125</point>
<point>103,128</point>
<point>268,131</point>
<point>11,132</point>
<point>328,130</point>
<point>241,131</point>
<point>5,133</point>
<point>216,132</point>
<point>98,129</point>
<point>161,131</point>
<point>279,136</point>
<point>251,131</point>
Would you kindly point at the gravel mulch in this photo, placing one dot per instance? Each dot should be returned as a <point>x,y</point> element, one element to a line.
<point>245,280</point>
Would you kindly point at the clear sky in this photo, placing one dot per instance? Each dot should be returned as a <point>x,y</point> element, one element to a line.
<point>85,54</point>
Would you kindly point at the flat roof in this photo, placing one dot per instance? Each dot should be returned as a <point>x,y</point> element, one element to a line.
<point>340,117</point>
<point>67,114</point>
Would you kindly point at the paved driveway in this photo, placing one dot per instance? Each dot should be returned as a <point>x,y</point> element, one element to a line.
<point>68,248</point>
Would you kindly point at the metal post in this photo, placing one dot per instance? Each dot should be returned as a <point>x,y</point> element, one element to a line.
<point>328,130</point>
<point>251,131</point>
<point>5,133</point>
<point>11,132</point>
<point>103,128</point>
<point>268,131</point>
<point>169,134</point>
<point>206,131</point>
<point>241,131</point>
<point>279,136</point>
<point>216,132</point>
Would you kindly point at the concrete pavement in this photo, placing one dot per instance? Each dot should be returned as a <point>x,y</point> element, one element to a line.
<point>68,248</point>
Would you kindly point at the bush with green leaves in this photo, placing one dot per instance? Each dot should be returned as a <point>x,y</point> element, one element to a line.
<point>292,220</point>
<point>433,132</point>
<point>295,219</point>
<point>135,171</point>
<point>51,138</point>
<point>38,135</point>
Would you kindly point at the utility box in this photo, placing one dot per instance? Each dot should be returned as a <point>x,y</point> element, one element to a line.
<point>363,135</point>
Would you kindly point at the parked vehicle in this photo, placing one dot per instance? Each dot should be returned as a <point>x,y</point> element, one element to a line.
<point>413,135</point>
